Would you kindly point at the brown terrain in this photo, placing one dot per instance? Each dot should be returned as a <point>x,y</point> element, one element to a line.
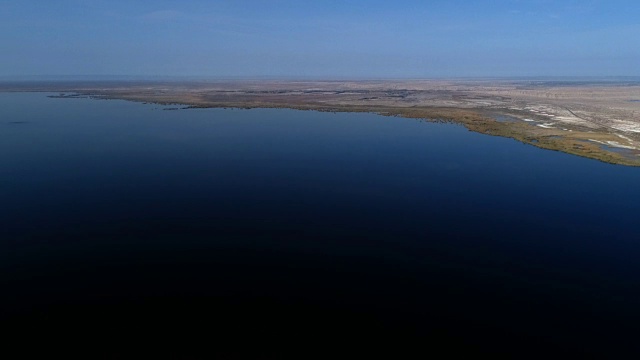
<point>598,120</point>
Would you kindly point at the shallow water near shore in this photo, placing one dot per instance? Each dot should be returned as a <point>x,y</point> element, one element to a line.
<point>272,223</point>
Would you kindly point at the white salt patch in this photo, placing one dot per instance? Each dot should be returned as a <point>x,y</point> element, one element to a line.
<point>624,137</point>
<point>618,145</point>
<point>613,144</point>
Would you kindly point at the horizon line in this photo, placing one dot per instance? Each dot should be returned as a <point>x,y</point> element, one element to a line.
<point>115,77</point>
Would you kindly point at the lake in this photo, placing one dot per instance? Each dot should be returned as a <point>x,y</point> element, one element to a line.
<point>284,227</point>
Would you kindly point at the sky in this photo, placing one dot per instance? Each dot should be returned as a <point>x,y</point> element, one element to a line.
<point>320,39</point>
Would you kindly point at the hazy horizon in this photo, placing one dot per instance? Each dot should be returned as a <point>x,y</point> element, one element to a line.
<point>110,77</point>
<point>331,39</point>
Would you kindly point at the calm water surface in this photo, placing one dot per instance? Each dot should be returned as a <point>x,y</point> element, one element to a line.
<point>282,224</point>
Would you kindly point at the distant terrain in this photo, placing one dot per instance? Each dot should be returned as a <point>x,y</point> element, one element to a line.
<point>597,119</point>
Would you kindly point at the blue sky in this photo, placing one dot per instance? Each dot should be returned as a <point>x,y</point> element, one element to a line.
<point>329,38</point>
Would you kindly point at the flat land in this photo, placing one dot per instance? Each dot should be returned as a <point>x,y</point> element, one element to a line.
<point>593,119</point>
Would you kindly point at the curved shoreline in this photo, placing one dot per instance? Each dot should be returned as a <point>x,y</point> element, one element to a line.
<point>575,142</point>
<point>573,124</point>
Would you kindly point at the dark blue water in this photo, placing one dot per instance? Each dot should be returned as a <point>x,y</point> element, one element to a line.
<point>282,227</point>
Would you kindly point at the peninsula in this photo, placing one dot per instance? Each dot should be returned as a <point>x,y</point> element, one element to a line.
<point>597,119</point>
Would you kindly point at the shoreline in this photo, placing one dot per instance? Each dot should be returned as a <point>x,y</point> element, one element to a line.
<point>543,125</point>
